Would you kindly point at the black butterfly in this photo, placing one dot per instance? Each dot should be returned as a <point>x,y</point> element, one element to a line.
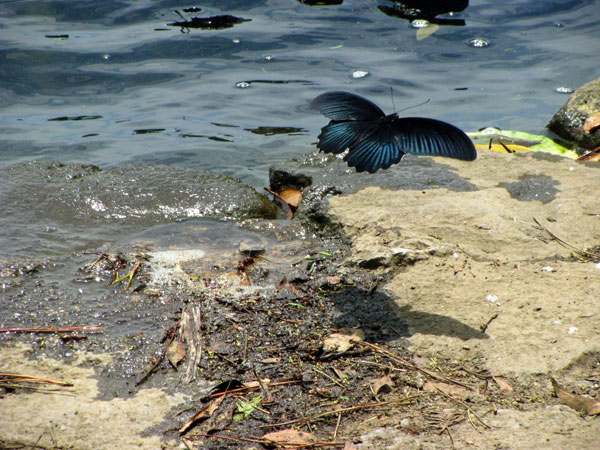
<point>376,141</point>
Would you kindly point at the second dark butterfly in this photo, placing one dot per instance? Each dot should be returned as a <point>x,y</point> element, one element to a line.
<point>376,141</point>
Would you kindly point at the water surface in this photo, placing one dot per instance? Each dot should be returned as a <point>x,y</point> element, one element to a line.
<point>107,83</point>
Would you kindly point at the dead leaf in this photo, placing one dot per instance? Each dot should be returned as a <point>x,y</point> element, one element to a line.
<point>343,374</point>
<point>343,341</point>
<point>292,197</point>
<point>176,352</point>
<point>333,280</point>
<point>290,438</point>
<point>285,206</point>
<point>592,155</point>
<point>448,389</point>
<point>203,414</point>
<point>583,405</point>
<point>502,384</point>
<point>592,123</point>
<point>271,361</point>
<point>255,384</point>
<point>384,383</point>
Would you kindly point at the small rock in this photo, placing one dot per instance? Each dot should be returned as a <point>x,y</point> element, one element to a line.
<point>569,121</point>
<point>251,249</point>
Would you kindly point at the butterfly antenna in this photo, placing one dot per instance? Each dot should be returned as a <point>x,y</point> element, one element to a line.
<point>392,95</point>
<point>414,106</point>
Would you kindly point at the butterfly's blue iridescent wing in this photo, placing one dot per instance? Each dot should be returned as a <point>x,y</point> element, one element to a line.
<point>376,149</point>
<point>430,137</point>
<point>338,136</point>
<point>386,142</point>
<point>344,106</point>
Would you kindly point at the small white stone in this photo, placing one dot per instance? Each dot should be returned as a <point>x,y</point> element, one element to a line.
<point>493,299</point>
<point>360,74</point>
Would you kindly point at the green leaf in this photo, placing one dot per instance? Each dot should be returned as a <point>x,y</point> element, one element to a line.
<point>245,408</point>
<point>535,142</point>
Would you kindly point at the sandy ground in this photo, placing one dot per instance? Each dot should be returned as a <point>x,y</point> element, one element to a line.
<point>471,255</point>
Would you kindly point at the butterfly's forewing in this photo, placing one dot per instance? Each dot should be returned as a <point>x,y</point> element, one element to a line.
<point>376,150</point>
<point>421,136</point>
<point>344,106</point>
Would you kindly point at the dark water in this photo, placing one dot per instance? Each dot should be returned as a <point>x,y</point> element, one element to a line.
<point>110,82</point>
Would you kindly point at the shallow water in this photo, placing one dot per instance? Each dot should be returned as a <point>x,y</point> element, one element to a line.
<point>126,87</point>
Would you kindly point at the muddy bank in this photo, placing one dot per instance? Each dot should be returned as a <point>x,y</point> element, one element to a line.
<point>455,293</point>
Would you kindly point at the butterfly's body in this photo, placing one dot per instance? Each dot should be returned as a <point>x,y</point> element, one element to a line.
<point>376,141</point>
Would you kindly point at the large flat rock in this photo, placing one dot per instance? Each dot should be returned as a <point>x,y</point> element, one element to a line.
<point>470,255</point>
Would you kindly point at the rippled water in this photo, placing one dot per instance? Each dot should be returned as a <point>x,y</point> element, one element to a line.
<point>110,82</point>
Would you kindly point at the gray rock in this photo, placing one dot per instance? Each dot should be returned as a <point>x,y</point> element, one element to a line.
<point>322,176</point>
<point>568,121</point>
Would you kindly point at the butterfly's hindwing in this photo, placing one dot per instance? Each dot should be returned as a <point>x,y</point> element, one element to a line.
<point>377,150</point>
<point>338,136</point>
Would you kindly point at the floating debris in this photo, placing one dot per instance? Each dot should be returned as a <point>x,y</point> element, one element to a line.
<point>64,118</point>
<point>564,90</point>
<point>479,43</point>
<point>360,73</point>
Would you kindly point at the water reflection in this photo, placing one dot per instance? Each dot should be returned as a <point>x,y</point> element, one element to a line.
<point>271,131</point>
<point>428,10</point>
<point>206,23</point>
<point>321,2</point>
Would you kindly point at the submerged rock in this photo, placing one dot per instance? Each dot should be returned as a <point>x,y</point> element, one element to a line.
<point>569,121</point>
<point>70,206</point>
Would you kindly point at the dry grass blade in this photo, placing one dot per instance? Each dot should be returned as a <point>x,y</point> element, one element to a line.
<point>402,401</point>
<point>411,365</point>
<point>581,253</point>
<point>91,328</point>
<point>15,377</point>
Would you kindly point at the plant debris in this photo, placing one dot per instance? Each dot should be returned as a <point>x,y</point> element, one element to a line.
<point>584,405</point>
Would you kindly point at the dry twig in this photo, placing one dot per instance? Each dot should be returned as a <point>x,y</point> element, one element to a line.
<point>579,252</point>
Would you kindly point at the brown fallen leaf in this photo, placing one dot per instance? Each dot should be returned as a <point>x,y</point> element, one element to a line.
<point>255,384</point>
<point>592,123</point>
<point>203,414</point>
<point>292,197</point>
<point>502,384</point>
<point>343,341</point>
<point>176,352</point>
<point>592,155</point>
<point>584,405</point>
<point>384,383</point>
<point>285,206</point>
<point>291,438</point>
<point>452,390</point>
